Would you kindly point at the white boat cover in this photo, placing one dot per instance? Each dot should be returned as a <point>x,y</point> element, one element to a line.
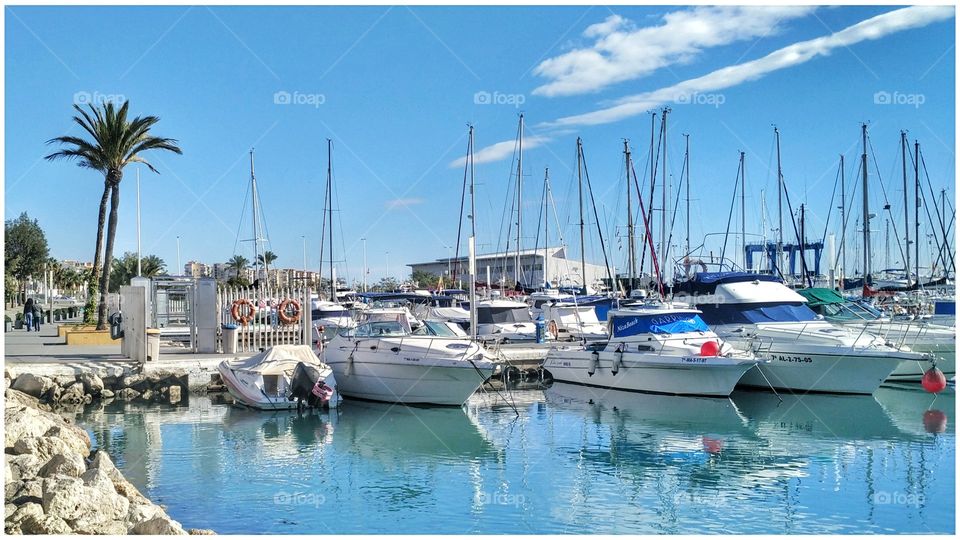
<point>449,314</point>
<point>275,360</point>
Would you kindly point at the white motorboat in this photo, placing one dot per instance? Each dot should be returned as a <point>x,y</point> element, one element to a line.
<point>572,322</point>
<point>384,359</point>
<point>806,353</point>
<point>920,336</point>
<point>658,349</point>
<point>505,321</point>
<point>270,379</point>
<point>328,318</point>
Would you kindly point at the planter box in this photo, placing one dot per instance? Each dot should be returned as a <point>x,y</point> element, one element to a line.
<point>90,337</point>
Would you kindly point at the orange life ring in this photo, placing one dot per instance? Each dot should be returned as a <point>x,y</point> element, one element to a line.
<point>246,315</point>
<point>282,309</point>
<point>552,328</point>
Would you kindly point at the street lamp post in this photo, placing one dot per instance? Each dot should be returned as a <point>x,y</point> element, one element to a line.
<point>179,267</point>
<point>364,264</point>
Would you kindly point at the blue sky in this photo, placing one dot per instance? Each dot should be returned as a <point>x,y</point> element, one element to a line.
<point>395,88</point>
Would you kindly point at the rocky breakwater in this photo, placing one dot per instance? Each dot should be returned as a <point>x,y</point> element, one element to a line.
<point>54,485</point>
<point>76,391</point>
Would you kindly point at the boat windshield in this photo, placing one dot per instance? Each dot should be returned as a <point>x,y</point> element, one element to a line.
<point>379,329</point>
<point>660,323</point>
<point>756,313</point>
<point>846,312</point>
<point>494,315</point>
<point>439,329</point>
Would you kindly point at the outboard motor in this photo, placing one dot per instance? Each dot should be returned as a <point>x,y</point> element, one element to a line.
<point>308,388</point>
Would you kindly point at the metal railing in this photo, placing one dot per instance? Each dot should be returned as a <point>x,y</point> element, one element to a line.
<point>266,329</point>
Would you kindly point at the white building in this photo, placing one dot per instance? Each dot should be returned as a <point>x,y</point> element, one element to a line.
<point>561,271</point>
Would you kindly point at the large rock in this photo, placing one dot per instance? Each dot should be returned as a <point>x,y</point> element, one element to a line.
<point>127,394</point>
<point>28,491</point>
<point>158,525</point>
<point>45,524</point>
<point>106,393</point>
<point>101,464</point>
<point>21,421</point>
<point>72,394</point>
<point>71,500</point>
<point>64,381</point>
<point>70,464</point>
<point>12,524</point>
<point>23,467</point>
<point>113,528</point>
<point>200,532</point>
<point>33,385</point>
<point>16,397</point>
<point>92,384</point>
<point>137,381</point>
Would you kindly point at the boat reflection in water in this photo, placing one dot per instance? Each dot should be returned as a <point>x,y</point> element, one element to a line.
<point>809,464</point>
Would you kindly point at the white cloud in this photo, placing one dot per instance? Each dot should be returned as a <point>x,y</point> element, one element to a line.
<point>500,150</point>
<point>789,56</point>
<point>622,52</point>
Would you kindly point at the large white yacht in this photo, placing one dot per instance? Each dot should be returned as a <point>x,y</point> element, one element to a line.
<point>806,353</point>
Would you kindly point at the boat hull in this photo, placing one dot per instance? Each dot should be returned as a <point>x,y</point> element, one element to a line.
<point>813,369</point>
<point>690,376</point>
<point>372,371</point>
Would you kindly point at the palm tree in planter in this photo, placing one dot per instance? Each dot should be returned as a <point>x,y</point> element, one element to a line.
<point>114,143</point>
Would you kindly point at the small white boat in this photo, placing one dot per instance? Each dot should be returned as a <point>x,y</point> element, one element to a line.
<point>661,350</point>
<point>384,359</point>
<point>269,380</point>
<point>574,323</point>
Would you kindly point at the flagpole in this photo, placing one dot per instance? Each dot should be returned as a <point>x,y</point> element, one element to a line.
<point>139,255</point>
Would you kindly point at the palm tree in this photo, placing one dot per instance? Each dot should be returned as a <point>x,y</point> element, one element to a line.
<point>266,259</point>
<point>116,143</point>
<point>125,268</point>
<point>238,264</point>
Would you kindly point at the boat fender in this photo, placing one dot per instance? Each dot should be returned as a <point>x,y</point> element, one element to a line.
<point>594,362</point>
<point>618,359</point>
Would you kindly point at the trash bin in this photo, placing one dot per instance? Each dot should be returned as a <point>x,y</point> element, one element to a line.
<point>153,344</point>
<point>230,332</point>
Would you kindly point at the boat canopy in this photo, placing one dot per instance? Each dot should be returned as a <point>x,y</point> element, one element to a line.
<point>772,312</point>
<point>657,323</point>
<point>502,315</point>
<point>568,314</point>
<point>450,314</point>
<point>707,282</point>
<point>818,296</point>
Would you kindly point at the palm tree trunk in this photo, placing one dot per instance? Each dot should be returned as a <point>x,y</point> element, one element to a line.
<point>108,257</point>
<point>93,287</point>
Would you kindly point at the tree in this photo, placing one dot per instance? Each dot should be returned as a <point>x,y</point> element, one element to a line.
<point>387,284</point>
<point>238,263</point>
<point>116,143</point>
<point>266,259</point>
<point>125,268</point>
<point>424,279</point>
<point>25,249</point>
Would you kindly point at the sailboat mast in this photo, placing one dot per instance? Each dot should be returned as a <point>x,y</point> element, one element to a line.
<point>333,285</point>
<point>631,254</point>
<point>916,221</point>
<point>866,210</point>
<point>906,207</point>
<point>256,217</point>
<point>472,244</point>
<point>664,248</point>
<point>686,160</point>
<point>803,241</point>
<point>516,265</point>
<point>583,258</point>
<point>546,223</point>
<point>843,224</point>
<point>743,209</point>
<point>648,225</point>
<point>776,133</point>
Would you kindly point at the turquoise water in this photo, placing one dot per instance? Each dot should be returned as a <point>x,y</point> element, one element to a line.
<point>621,463</point>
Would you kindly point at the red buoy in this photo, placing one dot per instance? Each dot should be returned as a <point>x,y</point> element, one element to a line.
<point>710,348</point>
<point>934,421</point>
<point>711,445</point>
<point>934,381</point>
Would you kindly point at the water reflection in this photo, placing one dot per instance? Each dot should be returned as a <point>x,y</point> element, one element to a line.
<point>575,460</point>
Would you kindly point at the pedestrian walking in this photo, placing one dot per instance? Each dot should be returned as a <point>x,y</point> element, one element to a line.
<point>37,315</point>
